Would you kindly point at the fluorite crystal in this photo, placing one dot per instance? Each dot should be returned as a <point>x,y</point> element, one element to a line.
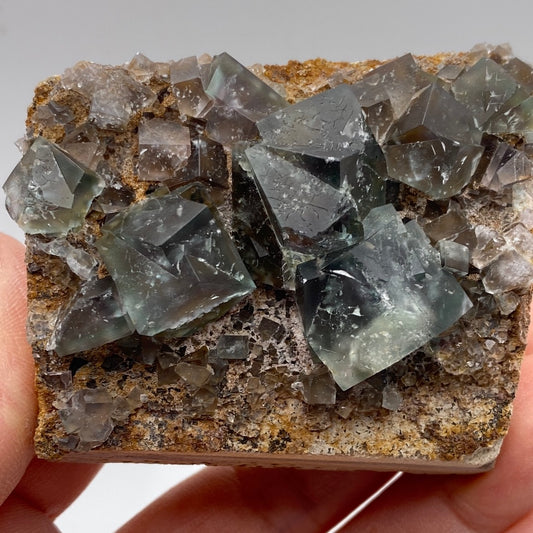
<point>172,275</point>
<point>248,253</point>
<point>366,308</point>
<point>49,192</point>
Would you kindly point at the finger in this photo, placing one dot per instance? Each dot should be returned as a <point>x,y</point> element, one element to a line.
<point>51,487</point>
<point>257,500</point>
<point>17,396</point>
<point>493,501</point>
<point>17,516</point>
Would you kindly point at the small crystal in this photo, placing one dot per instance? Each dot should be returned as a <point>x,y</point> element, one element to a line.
<point>507,302</point>
<point>392,398</point>
<point>396,81</point>
<point>239,89</point>
<point>506,167</point>
<point>208,162</point>
<point>484,88</point>
<point>111,91</point>
<point>79,261</point>
<point>48,192</point>
<point>438,167</point>
<point>490,245</point>
<point>187,86</point>
<point>94,317</point>
<point>233,347</point>
<point>508,272</point>
<point>318,388</point>
<point>195,375</point>
<point>164,147</point>
<point>455,257</point>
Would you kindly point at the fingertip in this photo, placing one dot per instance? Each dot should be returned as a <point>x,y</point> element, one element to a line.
<point>17,394</point>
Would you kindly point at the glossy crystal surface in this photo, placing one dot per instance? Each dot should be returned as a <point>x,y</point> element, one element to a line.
<point>48,192</point>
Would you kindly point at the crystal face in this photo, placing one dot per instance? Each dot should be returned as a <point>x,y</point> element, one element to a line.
<point>177,207</point>
<point>49,192</point>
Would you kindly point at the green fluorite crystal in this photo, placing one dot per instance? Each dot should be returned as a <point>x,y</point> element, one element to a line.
<point>367,307</point>
<point>172,275</point>
<point>365,198</point>
<point>48,192</point>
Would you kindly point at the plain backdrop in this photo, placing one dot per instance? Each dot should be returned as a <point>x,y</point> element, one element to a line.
<point>39,39</point>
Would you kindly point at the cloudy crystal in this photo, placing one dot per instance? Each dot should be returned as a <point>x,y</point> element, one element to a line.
<point>164,148</point>
<point>92,318</point>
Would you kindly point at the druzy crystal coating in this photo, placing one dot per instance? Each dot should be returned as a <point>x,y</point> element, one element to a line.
<point>176,190</point>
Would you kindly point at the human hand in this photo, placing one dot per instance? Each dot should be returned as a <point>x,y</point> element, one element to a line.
<point>222,499</point>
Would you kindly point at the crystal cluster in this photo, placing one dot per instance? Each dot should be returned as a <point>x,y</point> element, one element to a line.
<point>173,194</point>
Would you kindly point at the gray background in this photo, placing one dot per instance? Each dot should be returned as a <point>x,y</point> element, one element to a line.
<point>43,38</point>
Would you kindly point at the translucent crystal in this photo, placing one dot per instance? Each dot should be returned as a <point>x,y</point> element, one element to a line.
<point>328,134</point>
<point>227,125</point>
<point>92,318</point>
<point>233,347</point>
<point>521,72</point>
<point>455,257</point>
<point>195,375</point>
<point>318,388</point>
<point>490,244</point>
<point>176,276</point>
<point>392,398</point>
<point>508,272</point>
<point>517,120</point>
<point>387,296</point>
<point>83,145</point>
<point>208,162</point>
<point>506,166</point>
<point>49,192</point>
<point>52,114</point>
<point>78,260</point>
<point>438,167</point>
<point>308,211</point>
<point>390,87</point>
<point>507,302</point>
<point>436,137</point>
<point>484,88</point>
<point>164,148</point>
<point>115,96</point>
<point>522,199</point>
<point>187,86</point>
<point>144,69</point>
<point>91,414</point>
<point>239,89</point>
<point>436,114</point>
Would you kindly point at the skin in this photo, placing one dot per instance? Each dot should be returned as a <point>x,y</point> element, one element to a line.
<point>221,499</point>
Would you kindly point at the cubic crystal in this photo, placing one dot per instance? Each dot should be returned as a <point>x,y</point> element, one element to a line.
<point>173,276</point>
<point>49,192</point>
<point>387,296</point>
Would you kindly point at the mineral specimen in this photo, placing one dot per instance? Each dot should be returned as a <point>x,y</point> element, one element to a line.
<point>318,262</point>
